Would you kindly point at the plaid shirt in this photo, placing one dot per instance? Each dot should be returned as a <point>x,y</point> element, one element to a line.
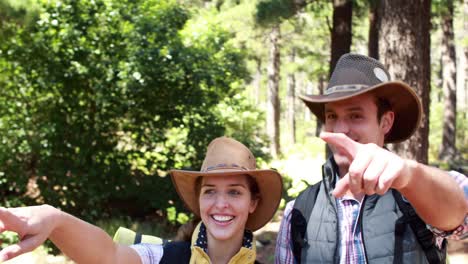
<point>351,247</point>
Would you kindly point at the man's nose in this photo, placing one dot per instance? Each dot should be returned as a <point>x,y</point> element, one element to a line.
<point>341,126</point>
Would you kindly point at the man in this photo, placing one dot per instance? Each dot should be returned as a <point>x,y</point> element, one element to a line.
<point>363,211</point>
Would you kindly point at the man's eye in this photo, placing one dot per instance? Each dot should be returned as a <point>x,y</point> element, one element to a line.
<point>356,116</point>
<point>330,116</point>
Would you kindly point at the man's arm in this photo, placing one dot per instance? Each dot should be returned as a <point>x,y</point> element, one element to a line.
<point>283,250</point>
<point>460,232</point>
<point>435,195</point>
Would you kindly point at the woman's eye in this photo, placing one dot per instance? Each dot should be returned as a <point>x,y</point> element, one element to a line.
<point>234,192</point>
<point>208,191</point>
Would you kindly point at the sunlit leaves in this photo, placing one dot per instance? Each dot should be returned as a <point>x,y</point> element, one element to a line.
<point>99,95</point>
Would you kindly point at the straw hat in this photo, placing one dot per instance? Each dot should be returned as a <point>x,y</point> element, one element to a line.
<point>224,157</point>
<point>356,74</point>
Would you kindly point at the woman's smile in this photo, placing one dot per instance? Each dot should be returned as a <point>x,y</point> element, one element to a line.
<point>222,218</point>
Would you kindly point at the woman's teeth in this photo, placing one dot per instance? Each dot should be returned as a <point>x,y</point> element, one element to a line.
<point>222,218</point>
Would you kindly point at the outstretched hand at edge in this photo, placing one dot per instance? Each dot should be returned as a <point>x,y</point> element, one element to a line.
<point>32,224</point>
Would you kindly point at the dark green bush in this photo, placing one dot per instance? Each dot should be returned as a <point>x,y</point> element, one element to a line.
<point>100,99</point>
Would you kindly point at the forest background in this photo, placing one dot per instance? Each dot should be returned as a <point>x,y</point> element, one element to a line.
<point>100,98</point>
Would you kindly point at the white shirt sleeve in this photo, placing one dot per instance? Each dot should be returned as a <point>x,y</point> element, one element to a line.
<point>149,253</point>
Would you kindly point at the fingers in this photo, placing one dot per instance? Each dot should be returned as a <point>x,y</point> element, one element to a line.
<point>10,252</point>
<point>3,212</point>
<point>373,170</point>
<point>5,219</point>
<point>388,176</point>
<point>12,219</point>
<point>26,245</point>
<point>357,169</point>
<point>343,143</point>
<point>341,187</point>
<point>373,174</point>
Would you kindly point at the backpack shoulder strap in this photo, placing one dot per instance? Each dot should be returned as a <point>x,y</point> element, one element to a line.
<point>300,217</point>
<point>126,236</point>
<point>424,236</point>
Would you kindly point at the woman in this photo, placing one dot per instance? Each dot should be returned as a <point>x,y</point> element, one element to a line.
<point>230,196</point>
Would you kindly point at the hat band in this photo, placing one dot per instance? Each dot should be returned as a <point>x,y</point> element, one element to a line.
<point>223,166</point>
<point>345,88</point>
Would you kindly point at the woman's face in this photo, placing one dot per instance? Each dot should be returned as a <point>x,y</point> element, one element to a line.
<point>225,204</point>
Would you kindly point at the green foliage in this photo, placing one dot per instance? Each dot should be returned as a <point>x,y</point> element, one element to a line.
<point>273,11</point>
<point>462,136</point>
<point>100,99</point>
<point>18,11</point>
<point>8,238</point>
<point>435,137</point>
<point>176,218</point>
<point>242,120</point>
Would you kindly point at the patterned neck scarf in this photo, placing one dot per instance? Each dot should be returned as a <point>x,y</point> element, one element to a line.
<point>202,240</point>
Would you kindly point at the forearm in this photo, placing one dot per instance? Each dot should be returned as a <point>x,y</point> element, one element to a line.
<point>86,243</point>
<point>435,195</point>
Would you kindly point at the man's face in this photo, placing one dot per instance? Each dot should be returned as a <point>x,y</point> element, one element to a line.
<point>356,117</point>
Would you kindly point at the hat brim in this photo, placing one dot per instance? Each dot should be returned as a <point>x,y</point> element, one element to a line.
<point>403,99</point>
<point>269,182</point>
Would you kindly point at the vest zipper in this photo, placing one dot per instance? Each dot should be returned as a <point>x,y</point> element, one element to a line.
<point>362,228</point>
<point>337,243</point>
<point>329,172</point>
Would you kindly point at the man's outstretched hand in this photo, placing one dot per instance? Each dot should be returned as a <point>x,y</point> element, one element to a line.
<point>372,169</point>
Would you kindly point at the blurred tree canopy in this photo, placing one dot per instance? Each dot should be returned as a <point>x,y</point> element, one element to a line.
<point>100,99</point>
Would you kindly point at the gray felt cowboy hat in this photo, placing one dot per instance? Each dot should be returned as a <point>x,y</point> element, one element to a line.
<point>356,74</point>
<point>224,157</point>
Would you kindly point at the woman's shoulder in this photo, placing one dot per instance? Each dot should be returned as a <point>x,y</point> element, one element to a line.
<point>171,252</point>
<point>176,252</point>
<point>149,253</point>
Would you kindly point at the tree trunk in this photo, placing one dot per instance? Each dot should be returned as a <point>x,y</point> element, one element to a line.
<point>257,81</point>
<point>374,25</point>
<point>447,150</point>
<point>405,50</point>
<point>273,110</point>
<point>321,87</point>
<point>308,89</point>
<point>341,34</point>
<point>291,100</point>
<point>465,68</point>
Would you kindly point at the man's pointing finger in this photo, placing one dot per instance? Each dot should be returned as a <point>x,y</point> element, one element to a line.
<point>340,141</point>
